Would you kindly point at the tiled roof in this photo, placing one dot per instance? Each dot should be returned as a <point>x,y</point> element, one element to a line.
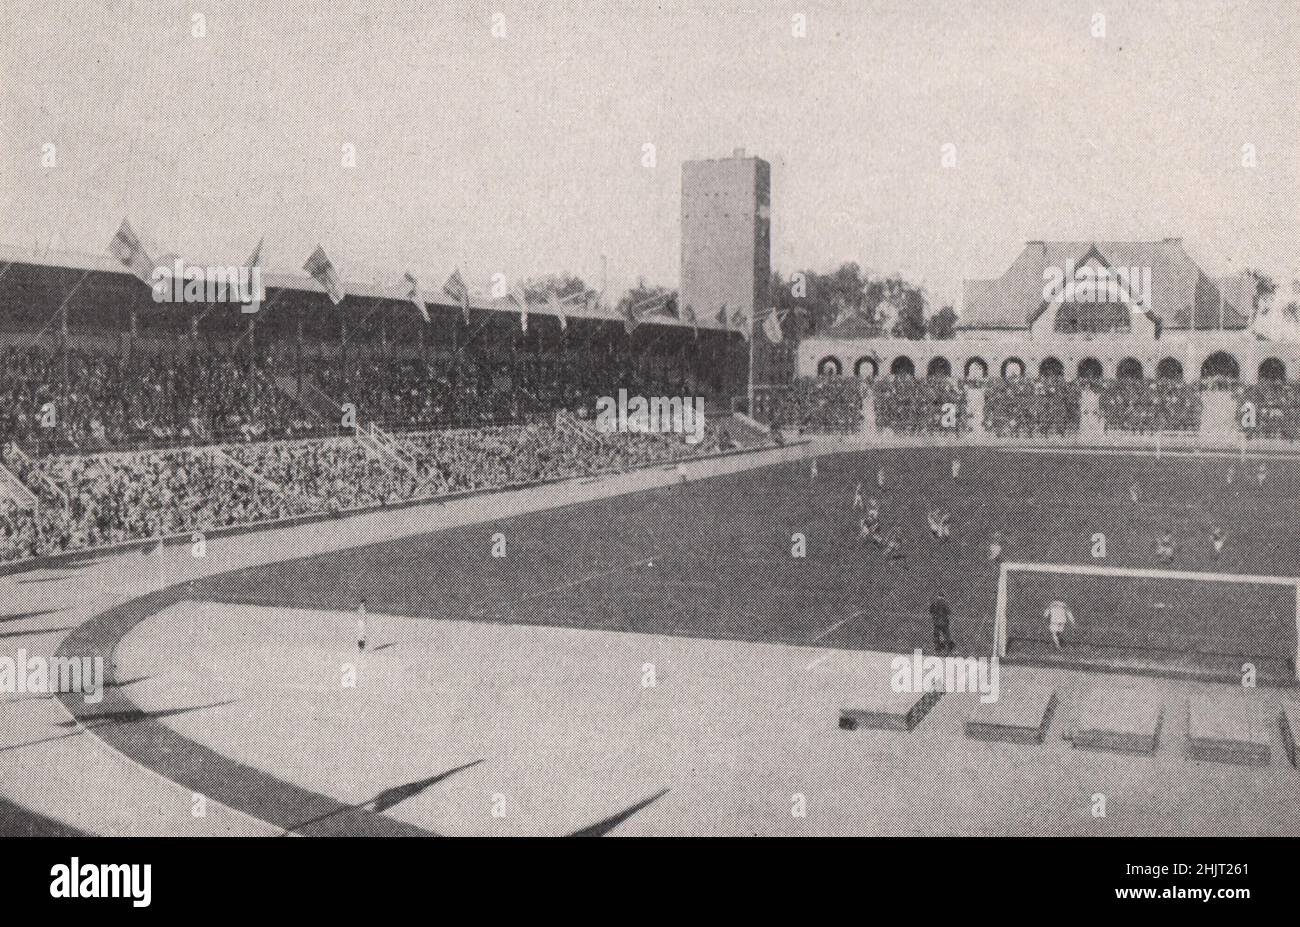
<point>1182,294</point>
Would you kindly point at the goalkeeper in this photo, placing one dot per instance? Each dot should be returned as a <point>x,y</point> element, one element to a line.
<point>1058,615</point>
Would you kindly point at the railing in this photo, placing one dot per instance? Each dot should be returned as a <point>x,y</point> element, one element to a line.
<point>14,489</point>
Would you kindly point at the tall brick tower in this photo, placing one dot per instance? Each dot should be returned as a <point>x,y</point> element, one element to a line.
<point>727,245</point>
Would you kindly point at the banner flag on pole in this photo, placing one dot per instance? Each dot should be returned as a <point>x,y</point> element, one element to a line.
<point>323,272</point>
<point>664,308</point>
<point>557,307</point>
<point>630,321</point>
<point>844,313</point>
<point>741,322</point>
<point>772,327</point>
<point>254,262</point>
<point>413,294</point>
<point>520,296</point>
<point>456,289</point>
<point>126,247</point>
<point>721,318</point>
<point>688,313</point>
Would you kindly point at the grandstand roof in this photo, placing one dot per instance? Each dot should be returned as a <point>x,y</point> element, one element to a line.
<point>1182,296</point>
<point>273,280</point>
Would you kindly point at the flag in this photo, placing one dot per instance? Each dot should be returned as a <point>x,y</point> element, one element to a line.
<point>886,314</point>
<point>323,272</point>
<point>741,322</point>
<point>521,299</point>
<point>556,305</point>
<point>721,317</point>
<point>126,247</point>
<point>688,313</point>
<point>413,294</point>
<point>559,314</point>
<point>456,289</point>
<point>842,314</point>
<point>630,321</point>
<point>254,262</point>
<point>772,327</point>
<point>664,308</point>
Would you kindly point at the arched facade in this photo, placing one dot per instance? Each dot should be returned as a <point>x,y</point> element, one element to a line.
<point>1170,368</point>
<point>1272,369</point>
<point>1221,364</point>
<point>902,367</point>
<point>1090,369</point>
<point>1051,367</point>
<point>1235,355</point>
<point>1130,368</point>
<point>829,366</point>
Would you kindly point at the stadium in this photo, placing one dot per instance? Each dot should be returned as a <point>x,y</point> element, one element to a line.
<point>357,558</point>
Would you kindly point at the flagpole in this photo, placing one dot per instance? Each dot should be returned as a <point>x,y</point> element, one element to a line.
<point>749,400</point>
<point>56,313</point>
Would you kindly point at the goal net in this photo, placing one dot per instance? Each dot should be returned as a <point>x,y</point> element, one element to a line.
<point>1151,616</point>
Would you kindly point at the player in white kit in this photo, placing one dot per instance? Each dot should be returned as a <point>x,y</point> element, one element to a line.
<point>361,626</point>
<point>1058,615</point>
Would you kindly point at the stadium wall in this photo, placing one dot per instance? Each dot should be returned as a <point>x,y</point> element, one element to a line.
<point>1185,356</point>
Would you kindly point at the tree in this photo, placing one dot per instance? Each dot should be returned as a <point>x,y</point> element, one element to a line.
<point>562,285</point>
<point>942,324</point>
<point>647,298</point>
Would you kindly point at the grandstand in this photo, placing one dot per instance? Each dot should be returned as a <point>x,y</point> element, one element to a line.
<point>122,419</point>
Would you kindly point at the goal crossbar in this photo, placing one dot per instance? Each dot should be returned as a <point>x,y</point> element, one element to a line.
<point>1081,569</point>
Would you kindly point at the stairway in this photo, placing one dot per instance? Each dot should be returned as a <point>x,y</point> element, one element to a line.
<point>13,489</point>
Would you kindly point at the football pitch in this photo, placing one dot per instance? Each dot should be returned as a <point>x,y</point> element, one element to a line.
<point>715,558</point>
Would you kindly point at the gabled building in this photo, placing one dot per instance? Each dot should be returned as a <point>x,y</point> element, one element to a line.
<point>1093,309</point>
<point>1160,288</point>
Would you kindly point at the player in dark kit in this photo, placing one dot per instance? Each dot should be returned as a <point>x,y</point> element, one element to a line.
<point>939,614</point>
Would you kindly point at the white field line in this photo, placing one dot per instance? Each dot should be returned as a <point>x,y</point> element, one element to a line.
<point>581,580</point>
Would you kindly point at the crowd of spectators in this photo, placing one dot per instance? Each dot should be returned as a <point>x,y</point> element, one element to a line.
<point>75,400</point>
<point>908,405</point>
<point>1150,406</point>
<point>86,501</point>
<point>1032,408</point>
<point>460,391</point>
<point>1275,408</point>
<point>812,405</point>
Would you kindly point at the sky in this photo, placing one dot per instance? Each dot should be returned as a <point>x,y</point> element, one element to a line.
<point>525,153</point>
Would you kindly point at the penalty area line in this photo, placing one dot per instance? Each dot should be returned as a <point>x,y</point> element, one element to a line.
<point>824,632</point>
<point>573,583</point>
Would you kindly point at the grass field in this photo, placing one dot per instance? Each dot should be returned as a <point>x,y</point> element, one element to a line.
<point>712,559</point>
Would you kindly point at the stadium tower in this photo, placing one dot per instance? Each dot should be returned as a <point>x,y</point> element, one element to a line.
<point>727,250</point>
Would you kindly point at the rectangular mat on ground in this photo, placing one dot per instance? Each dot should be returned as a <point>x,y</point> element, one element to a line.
<point>1021,715</point>
<point>879,706</point>
<point>1121,718</point>
<point>1225,727</point>
<point>1289,719</point>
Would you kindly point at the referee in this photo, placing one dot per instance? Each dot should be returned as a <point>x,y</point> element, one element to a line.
<point>939,614</point>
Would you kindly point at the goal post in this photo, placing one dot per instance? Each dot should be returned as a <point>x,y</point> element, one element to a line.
<point>1216,612</point>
